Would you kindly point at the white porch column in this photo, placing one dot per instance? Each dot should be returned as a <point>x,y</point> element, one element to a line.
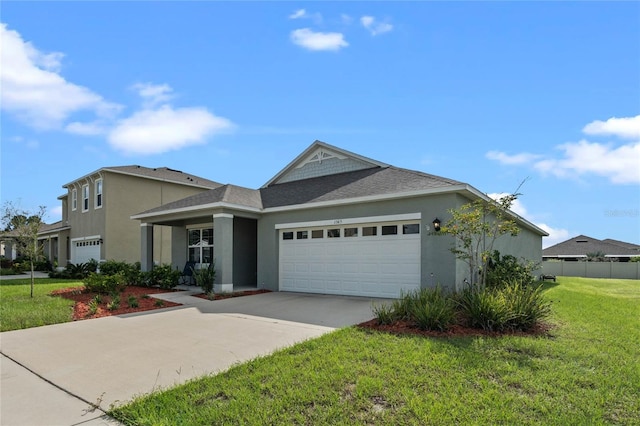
<point>223,252</point>
<point>146,247</point>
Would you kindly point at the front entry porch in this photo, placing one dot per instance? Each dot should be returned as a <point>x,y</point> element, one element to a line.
<point>224,239</point>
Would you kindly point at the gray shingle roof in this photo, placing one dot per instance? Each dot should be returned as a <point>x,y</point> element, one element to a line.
<point>360,183</point>
<point>158,173</point>
<point>230,194</point>
<point>582,244</point>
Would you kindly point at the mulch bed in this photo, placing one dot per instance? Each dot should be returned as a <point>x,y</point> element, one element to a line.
<point>220,296</point>
<point>406,327</point>
<point>82,298</point>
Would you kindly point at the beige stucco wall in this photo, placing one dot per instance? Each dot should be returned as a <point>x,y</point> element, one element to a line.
<point>123,196</point>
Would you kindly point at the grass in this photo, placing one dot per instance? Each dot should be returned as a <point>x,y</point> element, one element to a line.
<point>18,310</point>
<point>586,372</point>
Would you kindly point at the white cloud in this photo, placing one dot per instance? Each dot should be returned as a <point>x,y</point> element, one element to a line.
<point>55,213</point>
<point>556,235</point>
<point>165,129</point>
<point>522,158</point>
<point>375,27</point>
<point>312,40</point>
<point>618,164</point>
<point>625,127</point>
<point>300,13</point>
<point>85,129</point>
<point>517,207</point>
<point>35,92</point>
<point>153,94</point>
<point>346,19</point>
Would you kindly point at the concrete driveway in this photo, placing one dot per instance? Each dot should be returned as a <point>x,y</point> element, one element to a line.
<point>110,360</point>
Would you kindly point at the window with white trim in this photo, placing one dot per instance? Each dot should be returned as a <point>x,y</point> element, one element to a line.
<point>200,245</point>
<point>85,198</point>
<point>98,193</point>
<point>74,199</point>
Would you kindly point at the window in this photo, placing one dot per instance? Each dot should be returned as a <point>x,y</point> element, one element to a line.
<point>200,245</point>
<point>85,198</point>
<point>74,199</point>
<point>411,228</point>
<point>369,231</point>
<point>350,232</point>
<point>98,196</point>
<point>287,235</point>
<point>302,235</point>
<point>317,233</point>
<point>333,233</point>
<point>390,230</point>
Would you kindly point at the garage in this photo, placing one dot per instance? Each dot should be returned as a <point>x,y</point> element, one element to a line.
<point>372,259</point>
<point>83,250</point>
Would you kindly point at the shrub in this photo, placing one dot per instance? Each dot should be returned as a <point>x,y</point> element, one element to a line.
<point>73,271</point>
<point>159,302</point>
<point>432,309</point>
<point>105,284</point>
<point>205,277</point>
<point>513,306</point>
<point>163,276</point>
<point>484,308</point>
<point>93,306</point>
<point>502,270</point>
<point>130,271</point>
<point>132,301</point>
<point>114,303</point>
<point>526,304</point>
<point>384,314</point>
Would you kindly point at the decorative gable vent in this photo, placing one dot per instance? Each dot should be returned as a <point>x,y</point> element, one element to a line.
<point>320,155</point>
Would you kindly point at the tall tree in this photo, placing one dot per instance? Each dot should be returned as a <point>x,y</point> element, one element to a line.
<point>22,226</point>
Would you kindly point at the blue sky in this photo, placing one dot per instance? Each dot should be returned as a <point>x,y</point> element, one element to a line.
<point>488,93</point>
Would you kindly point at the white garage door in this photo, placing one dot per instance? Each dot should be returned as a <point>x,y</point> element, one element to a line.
<point>85,250</point>
<point>368,259</point>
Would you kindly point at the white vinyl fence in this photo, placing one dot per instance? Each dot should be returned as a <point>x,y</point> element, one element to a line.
<point>621,270</point>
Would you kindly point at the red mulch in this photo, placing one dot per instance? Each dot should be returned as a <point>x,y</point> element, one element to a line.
<point>220,296</point>
<point>406,327</point>
<point>82,298</point>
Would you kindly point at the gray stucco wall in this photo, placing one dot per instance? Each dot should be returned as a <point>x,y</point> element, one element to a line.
<point>438,265</point>
<point>437,262</point>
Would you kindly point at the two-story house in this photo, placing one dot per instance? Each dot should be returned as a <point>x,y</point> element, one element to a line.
<point>97,207</point>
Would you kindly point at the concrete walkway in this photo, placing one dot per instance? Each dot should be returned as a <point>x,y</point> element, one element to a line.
<point>64,369</point>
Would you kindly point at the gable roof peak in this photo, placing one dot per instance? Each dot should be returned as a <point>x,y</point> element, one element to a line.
<point>312,159</point>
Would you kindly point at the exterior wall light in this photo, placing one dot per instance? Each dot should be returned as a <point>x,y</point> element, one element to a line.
<point>436,224</point>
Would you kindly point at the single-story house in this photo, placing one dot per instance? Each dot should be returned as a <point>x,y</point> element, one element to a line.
<point>583,248</point>
<point>331,222</point>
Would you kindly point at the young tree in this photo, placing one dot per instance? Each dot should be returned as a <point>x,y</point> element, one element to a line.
<point>476,226</point>
<point>22,227</point>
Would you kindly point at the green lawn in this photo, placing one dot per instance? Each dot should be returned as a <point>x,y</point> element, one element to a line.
<point>587,372</point>
<point>18,310</point>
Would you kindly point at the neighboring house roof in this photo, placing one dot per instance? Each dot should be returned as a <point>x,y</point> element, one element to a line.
<point>630,246</point>
<point>582,245</point>
<point>52,227</point>
<point>368,181</point>
<point>160,173</point>
<point>45,228</point>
